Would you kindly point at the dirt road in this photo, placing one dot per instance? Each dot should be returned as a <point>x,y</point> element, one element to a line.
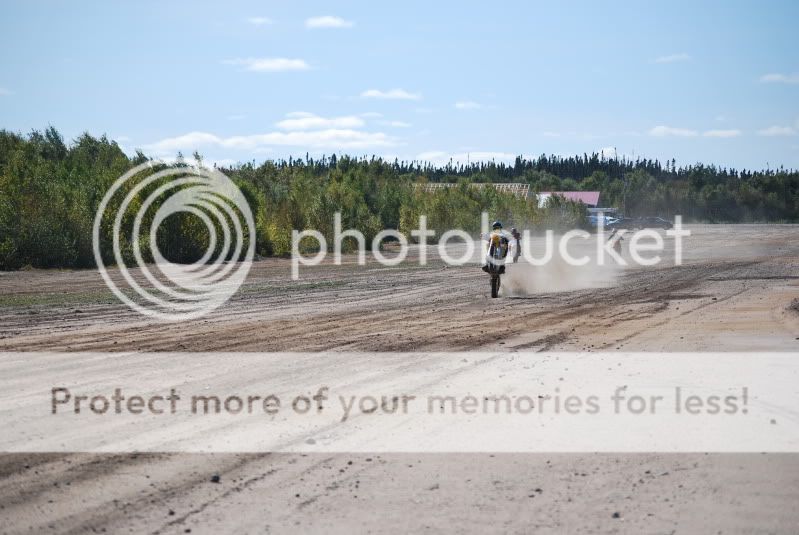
<point>735,292</point>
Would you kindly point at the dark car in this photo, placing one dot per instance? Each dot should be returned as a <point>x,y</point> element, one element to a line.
<point>624,223</point>
<point>654,222</point>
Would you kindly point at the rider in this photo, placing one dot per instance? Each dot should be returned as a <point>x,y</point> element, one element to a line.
<point>497,245</point>
<point>617,243</point>
<point>517,249</point>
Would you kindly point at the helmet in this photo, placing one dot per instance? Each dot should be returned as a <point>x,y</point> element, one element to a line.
<point>513,230</point>
<point>497,224</point>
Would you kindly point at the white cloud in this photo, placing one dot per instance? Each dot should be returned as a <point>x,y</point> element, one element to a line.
<point>608,152</point>
<point>5,92</point>
<point>432,155</point>
<point>467,105</point>
<point>774,131</point>
<point>223,162</point>
<point>721,133</point>
<point>611,153</point>
<point>329,138</point>
<point>396,124</point>
<point>673,58</point>
<point>778,78</point>
<point>259,21</point>
<point>309,121</point>
<point>269,64</point>
<point>443,158</point>
<point>391,94</point>
<point>191,141</point>
<point>328,22</point>
<point>663,131</point>
<point>335,138</point>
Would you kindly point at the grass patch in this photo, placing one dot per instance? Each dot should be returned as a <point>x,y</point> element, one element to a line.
<point>106,297</point>
<point>57,299</point>
<point>265,288</point>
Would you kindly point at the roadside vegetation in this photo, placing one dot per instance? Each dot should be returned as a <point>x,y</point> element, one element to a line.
<point>50,190</point>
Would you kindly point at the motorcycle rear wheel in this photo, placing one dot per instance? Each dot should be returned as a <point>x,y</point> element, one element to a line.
<point>494,286</point>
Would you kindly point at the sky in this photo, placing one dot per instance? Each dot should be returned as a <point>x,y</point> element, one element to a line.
<point>711,81</point>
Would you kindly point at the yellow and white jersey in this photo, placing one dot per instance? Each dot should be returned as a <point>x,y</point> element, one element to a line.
<point>497,238</point>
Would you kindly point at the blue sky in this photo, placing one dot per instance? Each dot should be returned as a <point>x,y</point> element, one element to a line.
<point>716,82</point>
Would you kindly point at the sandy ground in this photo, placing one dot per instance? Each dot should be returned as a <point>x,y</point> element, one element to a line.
<point>734,293</point>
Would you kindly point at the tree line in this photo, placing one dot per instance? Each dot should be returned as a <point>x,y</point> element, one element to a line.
<point>50,191</point>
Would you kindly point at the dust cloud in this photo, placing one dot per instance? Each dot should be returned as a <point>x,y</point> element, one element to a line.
<point>523,279</point>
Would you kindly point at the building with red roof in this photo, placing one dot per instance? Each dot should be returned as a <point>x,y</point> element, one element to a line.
<point>589,198</point>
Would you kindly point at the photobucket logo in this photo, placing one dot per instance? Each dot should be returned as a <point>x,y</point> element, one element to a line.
<point>175,291</point>
<point>644,247</point>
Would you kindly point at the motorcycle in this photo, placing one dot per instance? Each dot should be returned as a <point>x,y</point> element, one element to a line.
<point>495,264</point>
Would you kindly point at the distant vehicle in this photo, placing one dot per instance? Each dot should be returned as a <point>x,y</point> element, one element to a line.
<point>654,222</point>
<point>627,223</point>
<point>593,220</point>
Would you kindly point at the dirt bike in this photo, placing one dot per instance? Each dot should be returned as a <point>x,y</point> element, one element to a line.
<point>495,272</point>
